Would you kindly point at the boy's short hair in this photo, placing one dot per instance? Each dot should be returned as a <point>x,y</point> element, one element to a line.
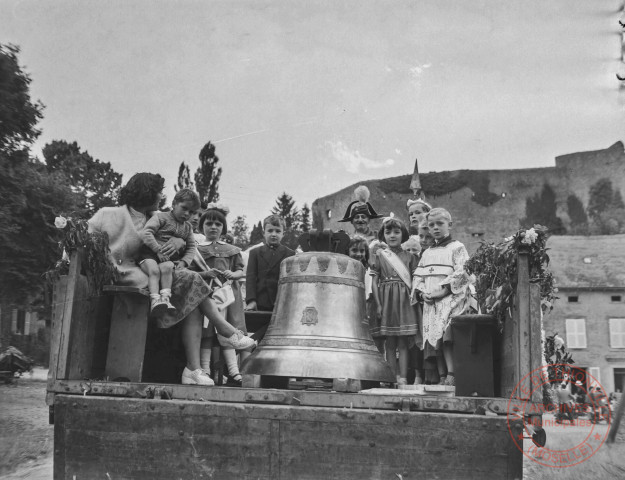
<point>186,194</point>
<point>393,222</point>
<point>214,214</point>
<point>357,240</point>
<point>439,211</point>
<point>275,220</point>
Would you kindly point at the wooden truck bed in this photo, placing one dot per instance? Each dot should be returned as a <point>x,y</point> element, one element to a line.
<point>139,428</point>
<point>167,439</point>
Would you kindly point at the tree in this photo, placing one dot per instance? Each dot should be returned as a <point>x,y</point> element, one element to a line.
<point>18,114</point>
<point>600,197</point>
<point>606,209</point>
<point>208,174</point>
<point>541,209</point>
<point>25,194</point>
<point>577,214</point>
<point>305,224</point>
<point>184,178</point>
<point>285,207</point>
<point>239,232</point>
<point>95,181</point>
<point>257,234</point>
<point>31,199</point>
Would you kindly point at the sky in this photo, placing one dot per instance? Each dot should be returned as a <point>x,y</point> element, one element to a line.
<point>311,97</point>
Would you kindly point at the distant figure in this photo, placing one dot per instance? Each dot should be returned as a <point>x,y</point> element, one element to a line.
<point>360,212</point>
<point>417,210</point>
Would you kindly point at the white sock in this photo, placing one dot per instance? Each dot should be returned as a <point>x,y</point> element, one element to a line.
<point>155,297</point>
<point>230,355</point>
<point>205,359</point>
<point>165,294</point>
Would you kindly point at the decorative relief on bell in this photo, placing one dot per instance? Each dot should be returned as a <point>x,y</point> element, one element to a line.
<point>310,316</point>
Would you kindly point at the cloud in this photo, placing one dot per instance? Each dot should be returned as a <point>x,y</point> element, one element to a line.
<point>353,161</point>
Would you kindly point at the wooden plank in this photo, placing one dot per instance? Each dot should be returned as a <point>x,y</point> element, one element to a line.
<point>536,346</point>
<point>128,333</point>
<point>417,402</point>
<point>58,298</point>
<point>60,445</point>
<point>80,348</point>
<point>522,313</point>
<point>64,342</point>
<point>130,438</point>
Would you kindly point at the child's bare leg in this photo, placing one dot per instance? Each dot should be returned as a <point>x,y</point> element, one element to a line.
<point>402,344</point>
<point>449,360</point>
<point>391,353</point>
<point>441,366</point>
<point>205,353</point>
<point>167,274</point>
<point>150,268</point>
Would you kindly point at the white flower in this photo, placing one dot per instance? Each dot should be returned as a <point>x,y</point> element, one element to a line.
<point>529,236</point>
<point>60,222</point>
<point>558,342</point>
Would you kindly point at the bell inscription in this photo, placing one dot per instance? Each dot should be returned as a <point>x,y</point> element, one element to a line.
<point>310,316</point>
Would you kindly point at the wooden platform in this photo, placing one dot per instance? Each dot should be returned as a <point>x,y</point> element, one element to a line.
<point>193,440</point>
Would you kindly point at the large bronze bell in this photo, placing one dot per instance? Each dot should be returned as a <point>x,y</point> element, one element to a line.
<point>318,328</point>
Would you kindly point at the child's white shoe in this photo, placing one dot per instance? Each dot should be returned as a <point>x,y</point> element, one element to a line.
<point>196,377</point>
<point>170,308</point>
<point>238,341</point>
<point>157,307</point>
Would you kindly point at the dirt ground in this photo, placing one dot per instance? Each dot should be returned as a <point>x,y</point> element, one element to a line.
<point>26,439</point>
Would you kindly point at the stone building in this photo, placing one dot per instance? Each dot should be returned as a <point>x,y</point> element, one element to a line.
<point>486,204</point>
<point>590,311</point>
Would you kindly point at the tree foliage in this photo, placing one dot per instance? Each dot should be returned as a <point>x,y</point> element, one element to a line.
<point>541,209</point>
<point>239,230</point>
<point>257,234</point>
<point>305,216</point>
<point>184,178</point>
<point>208,174</point>
<point>95,181</point>
<point>18,114</point>
<point>285,207</point>
<point>606,209</point>
<point>32,198</point>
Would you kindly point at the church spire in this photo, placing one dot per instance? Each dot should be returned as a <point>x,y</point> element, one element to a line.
<point>415,183</point>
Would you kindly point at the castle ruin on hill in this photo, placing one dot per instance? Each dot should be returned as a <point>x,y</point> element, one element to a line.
<point>492,204</point>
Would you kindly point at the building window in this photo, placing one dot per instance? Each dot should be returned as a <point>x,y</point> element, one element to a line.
<point>595,374</point>
<point>573,299</point>
<point>615,298</point>
<point>617,332</point>
<point>329,213</point>
<point>576,332</point>
<point>21,322</point>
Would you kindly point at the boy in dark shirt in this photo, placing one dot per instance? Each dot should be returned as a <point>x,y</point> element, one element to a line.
<point>263,269</point>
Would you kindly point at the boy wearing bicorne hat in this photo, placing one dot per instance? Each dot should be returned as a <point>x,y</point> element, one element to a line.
<point>360,212</point>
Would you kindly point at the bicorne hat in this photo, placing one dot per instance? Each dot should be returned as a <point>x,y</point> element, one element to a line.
<point>360,205</point>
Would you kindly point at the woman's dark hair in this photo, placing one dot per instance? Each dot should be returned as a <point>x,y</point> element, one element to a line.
<point>390,223</point>
<point>214,214</point>
<point>141,190</point>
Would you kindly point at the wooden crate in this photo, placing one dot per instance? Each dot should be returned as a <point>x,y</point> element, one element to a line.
<point>97,437</point>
